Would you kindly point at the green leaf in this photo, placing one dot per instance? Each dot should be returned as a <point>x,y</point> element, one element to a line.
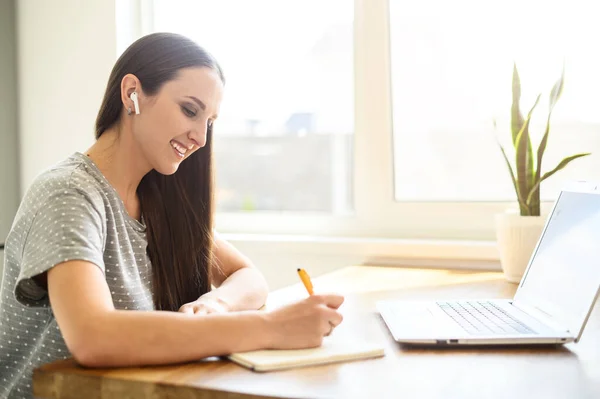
<point>538,169</point>
<point>530,171</point>
<point>557,89</point>
<point>555,94</point>
<point>542,149</point>
<point>520,199</point>
<point>560,165</point>
<point>524,155</point>
<point>516,118</point>
<point>517,124</point>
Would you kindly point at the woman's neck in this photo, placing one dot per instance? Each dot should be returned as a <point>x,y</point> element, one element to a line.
<point>112,154</point>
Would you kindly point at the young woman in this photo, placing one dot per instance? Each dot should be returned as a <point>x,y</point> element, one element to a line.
<point>112,256</point>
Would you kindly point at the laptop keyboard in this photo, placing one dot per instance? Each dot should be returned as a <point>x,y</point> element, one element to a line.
<point>482,317</point>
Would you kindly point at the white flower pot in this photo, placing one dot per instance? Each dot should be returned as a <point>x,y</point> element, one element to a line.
<point>517,237</point>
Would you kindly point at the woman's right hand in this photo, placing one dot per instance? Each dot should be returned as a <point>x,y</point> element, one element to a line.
<point>304,324</point>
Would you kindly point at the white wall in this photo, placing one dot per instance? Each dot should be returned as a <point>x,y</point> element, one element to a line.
<point>66,49</point>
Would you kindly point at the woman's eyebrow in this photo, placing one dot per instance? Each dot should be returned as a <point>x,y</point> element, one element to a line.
<point>200,103</point>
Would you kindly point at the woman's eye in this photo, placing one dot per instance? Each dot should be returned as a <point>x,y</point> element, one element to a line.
<point>188,112</point>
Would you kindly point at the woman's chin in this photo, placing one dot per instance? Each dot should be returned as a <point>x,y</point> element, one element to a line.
<point>168,169</point>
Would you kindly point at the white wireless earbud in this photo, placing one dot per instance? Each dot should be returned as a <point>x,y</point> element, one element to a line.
<point>136,105</point>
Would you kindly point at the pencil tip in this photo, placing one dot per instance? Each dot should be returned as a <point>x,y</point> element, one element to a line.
<point>298,269</point>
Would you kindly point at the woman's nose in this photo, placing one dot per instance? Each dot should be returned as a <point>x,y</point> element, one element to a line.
<point>199,136</point>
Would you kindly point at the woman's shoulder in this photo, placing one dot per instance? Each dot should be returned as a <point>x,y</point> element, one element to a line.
<point>63,192</point>
<point>70,177</point>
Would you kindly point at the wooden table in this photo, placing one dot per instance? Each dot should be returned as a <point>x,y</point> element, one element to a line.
<point>570,371</point>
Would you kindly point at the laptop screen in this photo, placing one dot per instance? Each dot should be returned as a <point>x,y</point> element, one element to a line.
<point>564,275</point>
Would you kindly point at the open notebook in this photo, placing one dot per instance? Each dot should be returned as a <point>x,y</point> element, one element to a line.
<point>331,351</point>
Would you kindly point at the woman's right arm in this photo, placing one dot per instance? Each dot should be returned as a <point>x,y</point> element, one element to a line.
<point>98,335</point>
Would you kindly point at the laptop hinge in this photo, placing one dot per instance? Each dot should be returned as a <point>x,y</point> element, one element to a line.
<point>540,315</point>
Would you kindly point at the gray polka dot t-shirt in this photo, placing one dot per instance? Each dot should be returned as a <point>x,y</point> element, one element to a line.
<point>70,212</point>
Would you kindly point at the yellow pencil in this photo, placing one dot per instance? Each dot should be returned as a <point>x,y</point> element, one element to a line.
<point>306,280</point>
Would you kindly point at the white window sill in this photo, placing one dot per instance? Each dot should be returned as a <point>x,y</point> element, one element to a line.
<point>274,251</point>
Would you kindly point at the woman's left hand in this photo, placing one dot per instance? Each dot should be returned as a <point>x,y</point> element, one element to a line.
<point>205,305</point>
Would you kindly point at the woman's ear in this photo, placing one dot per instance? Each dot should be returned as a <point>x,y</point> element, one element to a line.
<point>130,84</point>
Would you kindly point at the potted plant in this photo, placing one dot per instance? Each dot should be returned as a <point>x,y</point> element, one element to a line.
<point>518,232</point>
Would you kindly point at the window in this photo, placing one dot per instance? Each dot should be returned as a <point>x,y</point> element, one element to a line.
<point>375,118</point>
<point>452,66</point>
<point>283,141</point>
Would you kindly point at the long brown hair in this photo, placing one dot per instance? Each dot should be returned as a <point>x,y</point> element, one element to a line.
<point>177,209</point>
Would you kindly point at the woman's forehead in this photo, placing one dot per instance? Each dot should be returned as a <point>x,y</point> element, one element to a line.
<point>203,83</point>
<point>197,78</point>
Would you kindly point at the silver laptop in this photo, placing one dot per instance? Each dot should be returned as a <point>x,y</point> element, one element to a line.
<point>553,301</point>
